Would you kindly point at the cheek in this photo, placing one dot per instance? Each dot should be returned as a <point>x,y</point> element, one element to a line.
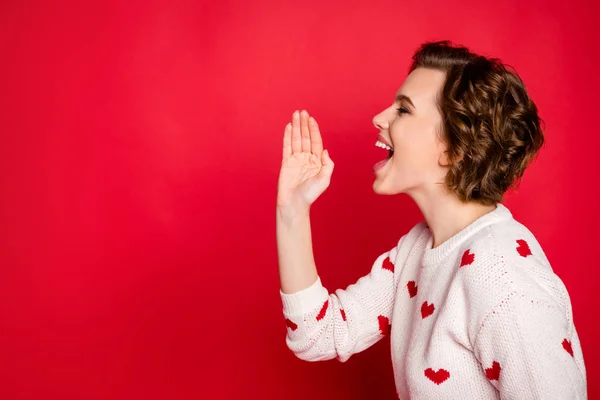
<point>417,146</point>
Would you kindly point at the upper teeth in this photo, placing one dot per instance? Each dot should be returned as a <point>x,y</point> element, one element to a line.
<point>382,145</point>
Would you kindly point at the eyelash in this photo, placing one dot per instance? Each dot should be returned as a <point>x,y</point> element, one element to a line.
<point>402,110</point>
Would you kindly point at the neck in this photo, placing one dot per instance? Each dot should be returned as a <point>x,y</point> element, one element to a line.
<point>446,215</point>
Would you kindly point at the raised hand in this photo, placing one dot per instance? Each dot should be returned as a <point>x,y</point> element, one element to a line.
<point>305,168</point>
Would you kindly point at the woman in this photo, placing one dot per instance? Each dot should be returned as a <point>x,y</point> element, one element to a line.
<point>468,297</point>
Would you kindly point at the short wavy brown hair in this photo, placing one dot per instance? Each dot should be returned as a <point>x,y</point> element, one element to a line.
<point>490,124</point>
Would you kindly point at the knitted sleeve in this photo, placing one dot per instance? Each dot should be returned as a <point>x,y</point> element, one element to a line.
<point>529,349</point>
<point>323,325</point>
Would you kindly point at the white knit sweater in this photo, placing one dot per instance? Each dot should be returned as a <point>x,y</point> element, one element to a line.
<point>482,316</point>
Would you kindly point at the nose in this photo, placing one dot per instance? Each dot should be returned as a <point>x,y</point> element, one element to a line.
<point>381,122</point>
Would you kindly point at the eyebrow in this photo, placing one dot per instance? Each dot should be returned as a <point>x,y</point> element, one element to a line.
<point>401,97</point>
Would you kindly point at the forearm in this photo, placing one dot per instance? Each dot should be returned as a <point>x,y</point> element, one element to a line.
<point>323,325</point>
<point>297,269</point>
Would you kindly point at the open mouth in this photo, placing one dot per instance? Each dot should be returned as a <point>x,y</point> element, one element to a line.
<point>382,143</point>
<point>385,146</point>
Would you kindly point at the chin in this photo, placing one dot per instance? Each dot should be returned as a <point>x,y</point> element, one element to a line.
<point>381,189</point>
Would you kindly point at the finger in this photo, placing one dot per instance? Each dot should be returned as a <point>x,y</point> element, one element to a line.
<point>315,137</point>
<point>296,141</point>
<point>326,168</point>
<point>304,131</point>
<point>287,141</point>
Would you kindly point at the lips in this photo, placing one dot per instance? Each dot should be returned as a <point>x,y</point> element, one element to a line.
<point>380,164</point>
<point>383,140</point>
<point>384,144</point>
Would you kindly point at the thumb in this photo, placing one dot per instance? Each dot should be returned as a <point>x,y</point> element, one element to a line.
<point>327,166</point>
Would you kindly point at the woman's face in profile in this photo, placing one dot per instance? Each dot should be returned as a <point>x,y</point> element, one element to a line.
<point>410,126</point>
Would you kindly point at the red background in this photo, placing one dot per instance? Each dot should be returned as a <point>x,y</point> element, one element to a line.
<point>140,147</point>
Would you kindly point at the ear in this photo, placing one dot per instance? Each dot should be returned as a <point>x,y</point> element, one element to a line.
<point>444,159</point>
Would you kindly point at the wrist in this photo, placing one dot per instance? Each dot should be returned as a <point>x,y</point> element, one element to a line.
<point>292,212</point>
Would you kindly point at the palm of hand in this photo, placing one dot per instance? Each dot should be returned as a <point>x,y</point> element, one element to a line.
<point>305,168</point>
<point>300,171</point>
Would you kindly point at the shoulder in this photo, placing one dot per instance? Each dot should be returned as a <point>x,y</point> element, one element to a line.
<point>415,237</point>
<point>417,234</point>
<point>504,262</point>
<point>508,248</point>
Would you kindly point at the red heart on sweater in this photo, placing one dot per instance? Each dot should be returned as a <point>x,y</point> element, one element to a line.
<point>437,377</point>
<point>412,288</point>
<point>568,347</point>
<point>523,248</point>
<point>384,325</point>
<point>290,324</point>
<point>427,310</point>
<point>493,373</point>
<point>343,313</point>
<point>387,264</point>
<point>323,311</point>
<point>467,258</point>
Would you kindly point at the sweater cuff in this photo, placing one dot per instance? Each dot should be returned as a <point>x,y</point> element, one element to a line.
<point>305,300</point>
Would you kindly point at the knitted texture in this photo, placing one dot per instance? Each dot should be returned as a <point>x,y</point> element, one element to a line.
<point>482,316</point>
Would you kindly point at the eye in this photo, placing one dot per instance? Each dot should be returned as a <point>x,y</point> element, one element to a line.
<point>402,110</point>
